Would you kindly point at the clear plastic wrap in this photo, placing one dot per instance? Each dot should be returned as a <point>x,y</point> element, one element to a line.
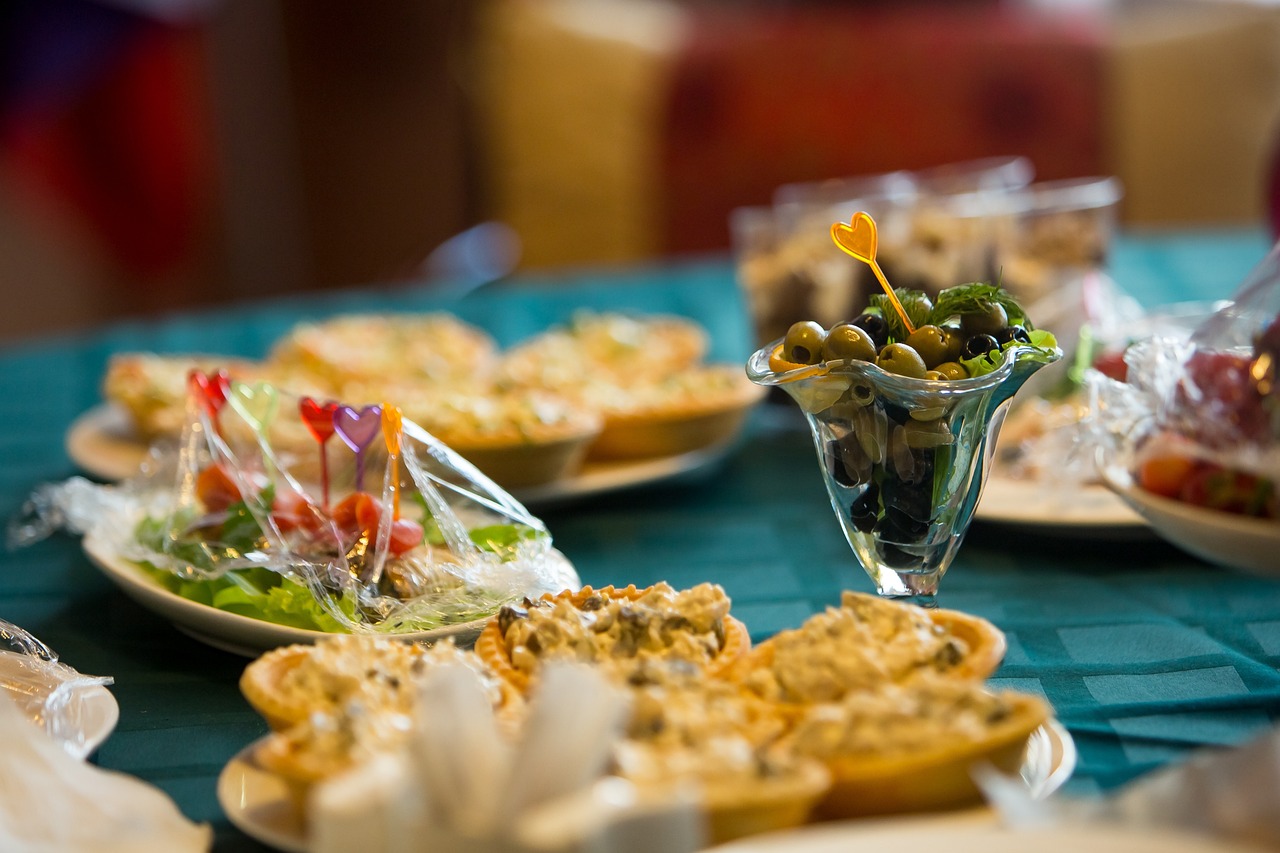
<point>1197,418</point>
<point>313,514</point>
<point>73,708</point>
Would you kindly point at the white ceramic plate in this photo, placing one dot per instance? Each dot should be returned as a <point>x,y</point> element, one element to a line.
<point>230,632</point>
<point>968,833</point>
<point>1250,544</point>
<point>1047,507</point>
<point>96,715</point>
<point>258,803</point>
<point>102,442</point>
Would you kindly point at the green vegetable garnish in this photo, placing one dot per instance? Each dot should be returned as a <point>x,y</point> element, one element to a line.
<point>983,364</point>
<point>973,298</point>
<point>915,302</point>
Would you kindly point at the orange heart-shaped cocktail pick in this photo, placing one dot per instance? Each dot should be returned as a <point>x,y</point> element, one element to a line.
<point>858,238</point>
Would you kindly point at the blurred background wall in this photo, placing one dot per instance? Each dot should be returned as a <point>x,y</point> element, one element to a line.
<point>157,154</point>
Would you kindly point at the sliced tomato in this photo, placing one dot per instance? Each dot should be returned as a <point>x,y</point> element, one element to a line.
<point>216,489</point>
<point>291,511</point>
<point>1165,475</point>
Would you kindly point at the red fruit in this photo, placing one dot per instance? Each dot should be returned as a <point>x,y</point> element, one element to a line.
<point>1215,487</point>
<point>1112,364</point>
<point>405,535</point>
<point>216,489</point>
<point>291,511</point>
<point>358,512</point>
<point>1221,398</point>
<point>1165,475</point>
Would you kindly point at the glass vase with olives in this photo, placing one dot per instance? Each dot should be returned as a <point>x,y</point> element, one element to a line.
<point>904,407</point>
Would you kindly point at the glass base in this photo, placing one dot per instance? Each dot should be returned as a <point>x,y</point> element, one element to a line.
<point>920,588</point>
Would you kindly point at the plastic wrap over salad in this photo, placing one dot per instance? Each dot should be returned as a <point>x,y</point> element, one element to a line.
<point>1198,419</point>
<point>312,514</point>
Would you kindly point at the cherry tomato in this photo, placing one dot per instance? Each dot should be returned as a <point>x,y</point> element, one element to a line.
<point>358,512</point>
<point>216,489</point>
<point>291,511</point>
<point>405,535</point>
<point>1165,475</point>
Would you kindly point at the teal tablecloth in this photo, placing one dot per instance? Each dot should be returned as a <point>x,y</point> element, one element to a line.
<point>1146,653</point>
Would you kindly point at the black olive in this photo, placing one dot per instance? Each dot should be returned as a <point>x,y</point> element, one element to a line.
<point>875,326</point>
<point>978,345</point>
<point>1013,333</point>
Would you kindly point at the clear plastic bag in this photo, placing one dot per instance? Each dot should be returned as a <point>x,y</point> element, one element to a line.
<point>1198,417</point>
<point>313,514</point>
<point>68,705</point>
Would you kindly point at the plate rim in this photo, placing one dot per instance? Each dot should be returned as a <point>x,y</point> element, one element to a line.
<point>1054,739</point>
<point>1237,539</point>
<point>104,426</point>
<point>253,636</point>
<point>1120,518</point>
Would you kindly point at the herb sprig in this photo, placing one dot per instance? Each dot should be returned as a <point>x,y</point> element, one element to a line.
<point>973,298</point>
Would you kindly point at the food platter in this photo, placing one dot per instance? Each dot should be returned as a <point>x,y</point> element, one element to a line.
<point>1058,508</point>
<point>1236,541</point>
<point>102,442</point>
<point>970,833</point>
<point>95,718</point>
<point>258,803</point>
<point>231,632</point>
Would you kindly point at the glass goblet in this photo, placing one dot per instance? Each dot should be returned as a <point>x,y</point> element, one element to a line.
<point>904,460</point>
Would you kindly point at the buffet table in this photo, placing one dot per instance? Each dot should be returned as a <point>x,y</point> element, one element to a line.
<point>1145,653</point>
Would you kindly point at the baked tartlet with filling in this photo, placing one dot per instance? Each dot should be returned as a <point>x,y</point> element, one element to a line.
<point>288,684</point>
<point>336,704</point>
<point>152,388</point>
<point>865,642</point>
<point>436,348</point>
<point>518,437</point>
<point>703,733</point>
<point>611,346</point>
<point>617,630</point>
<point>913,747</point>
<point>697,407</point>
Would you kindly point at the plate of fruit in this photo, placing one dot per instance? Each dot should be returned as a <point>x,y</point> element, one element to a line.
<point>1197,431</point>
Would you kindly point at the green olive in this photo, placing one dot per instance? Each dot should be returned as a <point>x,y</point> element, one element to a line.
<point>902,360</point>
<point>935,376</point>
<point>952,370</point>
<point>847,341</point>
<point>931,343</point>
<point>803,343</point>
<point>987,321</point>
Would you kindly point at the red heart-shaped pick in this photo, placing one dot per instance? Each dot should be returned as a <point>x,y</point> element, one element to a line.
<point>211,389</point>
<point>318,417</point>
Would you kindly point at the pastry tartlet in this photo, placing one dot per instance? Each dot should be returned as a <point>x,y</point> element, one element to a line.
<point>517,437</point>
<point>698,407</point>
<point>618,630</point>
<point>152,388</point>
<point>612,346</point>
<point>913,747</point>
<point>436,348</point>
<point>688,730</point>
<point>865,642</point>
<point>288,684</point>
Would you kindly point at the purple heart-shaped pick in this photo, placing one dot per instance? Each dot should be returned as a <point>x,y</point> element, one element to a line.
<point>357,428</point>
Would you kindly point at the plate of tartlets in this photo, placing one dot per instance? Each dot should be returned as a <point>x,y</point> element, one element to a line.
<point>604,402</point>
<point>701,698</point>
